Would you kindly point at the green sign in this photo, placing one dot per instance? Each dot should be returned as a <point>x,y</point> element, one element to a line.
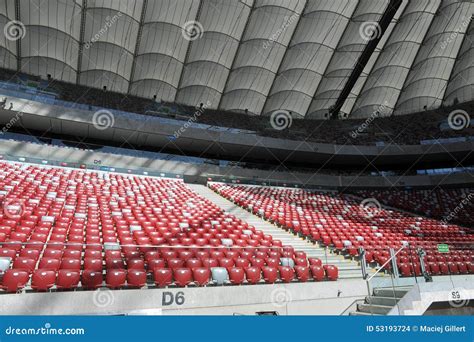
<point>443,248</point>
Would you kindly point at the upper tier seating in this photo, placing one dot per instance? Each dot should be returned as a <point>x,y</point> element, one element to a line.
<point>67,228</point>
<point>340,221</point>
<point>396,129</point>
<point>451,205</point>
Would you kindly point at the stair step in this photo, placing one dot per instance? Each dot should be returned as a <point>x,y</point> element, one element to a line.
<point>376,309</point>
<point>376,300</point>
<point>390,292</point>
<point>358,313</point>
<point>347,267</point>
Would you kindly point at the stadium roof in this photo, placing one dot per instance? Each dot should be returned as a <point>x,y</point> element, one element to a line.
<point>262,55</point>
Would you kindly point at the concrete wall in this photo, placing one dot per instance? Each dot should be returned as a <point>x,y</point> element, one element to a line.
<point>139,130</point>
<point>458,291</point>
<point>313,298</point>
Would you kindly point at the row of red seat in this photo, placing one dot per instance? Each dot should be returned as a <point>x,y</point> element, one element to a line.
<point>43,279</point>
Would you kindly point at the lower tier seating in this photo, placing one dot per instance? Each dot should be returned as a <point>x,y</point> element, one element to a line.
<point>65,228</point>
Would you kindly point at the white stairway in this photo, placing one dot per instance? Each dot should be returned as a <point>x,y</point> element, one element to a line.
<point>347,268</point>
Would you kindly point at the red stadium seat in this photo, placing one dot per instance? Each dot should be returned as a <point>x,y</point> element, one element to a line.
<point>287,274</point>
<point>443,268</point>
<point>93,264</point>
<point>236,275</point>
<point>209,263</point>
<point>156,263</point>
<point>175,263</point>
<point>43,279</point>
<point>201,275</point>
<point>433,268</point>
<point>227,263</point>
<point>301,262</point>
<point>135,264</point>
<point>50,264</point>
<point>270,274</point>
<point>405,270</point>
<point>317,272</point>
<point>91,279</point>
<point>302,273</point>
<point>315,261</point>
<point>24,264</point>
<point>257,262</point>
<point>14,280</point>
<point>115,278</point>
<point>163,277</point>
<point>332,273</point>
<point>70,264</point>
<point>253,274</point>
<point>273,262</point>
<point>52,253</point>
<point>114,264</point>
<point>240,262</point>
<point>193,263</point>
<point>68,279</point>
<point>136,278</point>
<point>183,276</point>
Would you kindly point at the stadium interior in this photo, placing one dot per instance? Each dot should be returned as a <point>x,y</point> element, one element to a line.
<point>251,157</point>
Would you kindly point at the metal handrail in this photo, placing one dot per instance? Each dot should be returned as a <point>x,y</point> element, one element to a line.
<point>381,267</point>
<point>350,305</point>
